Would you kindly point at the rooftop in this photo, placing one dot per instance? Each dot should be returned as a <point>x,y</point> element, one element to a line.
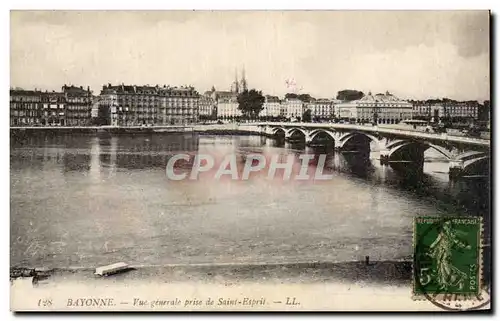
<point>151,90</point>
<point>381,98</point>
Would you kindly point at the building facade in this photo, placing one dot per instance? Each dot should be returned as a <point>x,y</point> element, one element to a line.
<point>95,107</point>
<point>180,105</point>
<point>271,107</point>
<point>380,108</point>
<point>207,106</point>
<point>227,105</point>
<point>70,107</point>
<point>321,109</point>
<point>78,103</point>
<point>108,106</point>
<point>293,108</point>
<point>131,105</point>
<point>26,107</point>
<point>54,108</point>
<point>454,111</point>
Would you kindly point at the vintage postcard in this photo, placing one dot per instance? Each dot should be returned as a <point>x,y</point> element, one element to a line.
<point>250,161</point>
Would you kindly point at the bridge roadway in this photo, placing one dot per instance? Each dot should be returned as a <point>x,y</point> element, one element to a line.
<point>466,155</point>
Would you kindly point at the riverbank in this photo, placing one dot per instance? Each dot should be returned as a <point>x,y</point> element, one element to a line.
<point>345,286</point>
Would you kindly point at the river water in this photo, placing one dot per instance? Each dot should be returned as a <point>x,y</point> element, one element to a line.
<point>84,201</point>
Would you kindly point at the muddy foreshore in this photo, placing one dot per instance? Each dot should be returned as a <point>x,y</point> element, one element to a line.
<point>381,272</point>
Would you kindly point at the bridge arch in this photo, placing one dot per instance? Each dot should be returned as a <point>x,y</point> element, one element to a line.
<point>297,132</point>
<point>317,132</point>
<point>279,132</point>
<point>358,140</point>
<point>424,145</point>
<point>295,129</point>
<point>469,165</point>
<point>344,139</point>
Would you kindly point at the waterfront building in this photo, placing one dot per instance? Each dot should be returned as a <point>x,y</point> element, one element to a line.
<point>271,107</point>
<point>95,107</point>
<point>461,110</point>
<point>26,107</point>
<point>78,103</point>
<point>451,110</point>
<point>131,105</point>
<point>207,106</point>
<point>227,105</point>
<point>54,107</point>
<point>380,108</point>
<point>108,106</point>
<point>293,108</point>
<point>422,110</point>
<point>320,108</point>
<point>70,107</point>
<point>137,105</point>
<point>179,105</point>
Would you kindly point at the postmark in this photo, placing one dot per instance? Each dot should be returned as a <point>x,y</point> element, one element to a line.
<point>448,262</point>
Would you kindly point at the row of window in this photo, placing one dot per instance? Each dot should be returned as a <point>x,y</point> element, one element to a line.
<point>153,98</point>
<point>384,105</point>
<point>25,99</point>
<point>22,113</point>
<point>14,105</point>
<point>78,107</point>
<point>77,115</point>
<point>79,100</point>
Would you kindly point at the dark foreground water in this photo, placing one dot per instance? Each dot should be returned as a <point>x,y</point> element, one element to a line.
<point>83,201</point>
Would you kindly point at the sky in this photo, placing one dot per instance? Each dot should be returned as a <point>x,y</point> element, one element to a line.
<point>412,54</point>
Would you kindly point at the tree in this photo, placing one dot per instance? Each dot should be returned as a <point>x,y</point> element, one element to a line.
<point>484,111</point>
<point>291,95</point>
<point>306,98</point>
<point>350,94</point>
<point>250,103</point>
<point>306,116</point>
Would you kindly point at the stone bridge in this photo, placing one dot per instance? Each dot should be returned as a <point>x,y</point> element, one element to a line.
<point>467,156</point>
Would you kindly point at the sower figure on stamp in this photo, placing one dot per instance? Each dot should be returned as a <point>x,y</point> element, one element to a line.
<point>441,252</point>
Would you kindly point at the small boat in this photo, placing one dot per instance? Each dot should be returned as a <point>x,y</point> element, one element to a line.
<point>111,269</point>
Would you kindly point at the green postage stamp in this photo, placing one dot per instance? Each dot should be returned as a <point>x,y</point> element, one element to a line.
<point>447,258</point>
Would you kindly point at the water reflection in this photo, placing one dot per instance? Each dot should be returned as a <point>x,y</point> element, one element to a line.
<point>111,153</point>
<point>115,189</point>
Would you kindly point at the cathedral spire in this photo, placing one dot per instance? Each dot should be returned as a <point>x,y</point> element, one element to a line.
<point>243,80</point>
<point>236,84</point>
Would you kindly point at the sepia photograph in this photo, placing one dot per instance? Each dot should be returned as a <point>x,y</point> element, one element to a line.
<point>258,160</point>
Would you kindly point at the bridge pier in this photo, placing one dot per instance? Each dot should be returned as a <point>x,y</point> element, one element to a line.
<point>384,157</point>
<point>456,169</point>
